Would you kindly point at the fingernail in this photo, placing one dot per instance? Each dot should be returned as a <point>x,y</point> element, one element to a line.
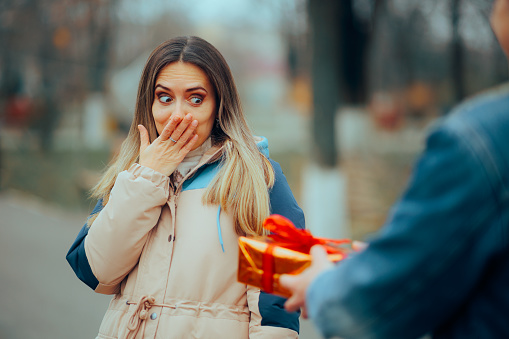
<point>194,123</point>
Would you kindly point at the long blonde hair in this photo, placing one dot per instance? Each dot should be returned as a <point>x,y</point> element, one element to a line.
<point>242,184</point>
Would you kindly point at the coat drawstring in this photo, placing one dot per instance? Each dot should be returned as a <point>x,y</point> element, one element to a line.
<point>219,228</point>
<point>139,318</point>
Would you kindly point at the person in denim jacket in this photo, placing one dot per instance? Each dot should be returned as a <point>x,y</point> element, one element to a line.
<point>440,265</point>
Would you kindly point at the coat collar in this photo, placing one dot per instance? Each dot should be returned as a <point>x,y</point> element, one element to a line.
<point>215,153</point>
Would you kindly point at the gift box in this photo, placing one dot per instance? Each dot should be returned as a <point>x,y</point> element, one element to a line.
<point>262,260</point>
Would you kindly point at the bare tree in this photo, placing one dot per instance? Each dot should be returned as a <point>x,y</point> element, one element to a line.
<point>326,60</point>
<point>457,55</point>
<point>66,42</point>
<point>339,44</point>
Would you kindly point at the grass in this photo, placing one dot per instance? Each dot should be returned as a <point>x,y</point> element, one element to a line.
<point>61,177</point>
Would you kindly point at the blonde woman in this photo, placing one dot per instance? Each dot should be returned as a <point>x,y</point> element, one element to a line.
<point>189,180</point>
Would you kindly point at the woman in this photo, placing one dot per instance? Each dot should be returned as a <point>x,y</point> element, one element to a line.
<point>189,179</point>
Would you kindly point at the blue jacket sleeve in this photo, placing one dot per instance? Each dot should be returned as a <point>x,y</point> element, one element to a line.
<point>430,254</point>
<point>77,258</point>
<point>282,202</point>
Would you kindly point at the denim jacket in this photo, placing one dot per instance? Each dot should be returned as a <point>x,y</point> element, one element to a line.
<point>440,264</point>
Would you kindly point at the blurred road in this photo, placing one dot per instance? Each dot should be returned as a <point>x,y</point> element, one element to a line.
<point>40,296</point>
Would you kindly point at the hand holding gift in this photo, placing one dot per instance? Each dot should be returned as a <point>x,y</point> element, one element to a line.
<point>298,284</point>
<point>286,250</point>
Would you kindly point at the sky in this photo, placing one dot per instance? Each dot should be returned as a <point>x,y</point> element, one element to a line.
<point>264,14</point>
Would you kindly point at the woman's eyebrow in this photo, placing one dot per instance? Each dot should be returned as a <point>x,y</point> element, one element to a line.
<point>164,88</point>
<point>196,88</point>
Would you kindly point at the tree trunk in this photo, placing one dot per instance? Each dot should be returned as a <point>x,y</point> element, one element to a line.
<point>457,55</point>
<point>354,42</point>
<point>325,198</point>
<point>325,68</point>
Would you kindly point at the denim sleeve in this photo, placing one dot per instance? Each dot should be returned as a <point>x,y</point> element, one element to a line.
<point>282,202</point>
<point>77,258</point>
<point>426,252</point>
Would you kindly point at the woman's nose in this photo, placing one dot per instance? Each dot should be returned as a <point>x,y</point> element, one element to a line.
<point>179,111</point>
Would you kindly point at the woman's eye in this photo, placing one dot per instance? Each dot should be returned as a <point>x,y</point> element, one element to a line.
<point>196,100</point>
<point>164,98</point>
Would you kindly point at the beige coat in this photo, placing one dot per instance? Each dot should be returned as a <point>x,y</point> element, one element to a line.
<point>156,247</point>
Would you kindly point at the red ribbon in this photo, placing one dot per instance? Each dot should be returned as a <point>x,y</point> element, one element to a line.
<point>268,269</point>
<point>285,234</point>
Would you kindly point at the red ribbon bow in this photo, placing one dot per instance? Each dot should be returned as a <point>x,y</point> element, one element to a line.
<point>285,234</point>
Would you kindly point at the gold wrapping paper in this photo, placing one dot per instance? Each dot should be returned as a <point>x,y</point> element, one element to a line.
<point>284,261</point>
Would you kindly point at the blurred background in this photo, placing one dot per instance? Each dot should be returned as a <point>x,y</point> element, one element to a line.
<point>344,90</point>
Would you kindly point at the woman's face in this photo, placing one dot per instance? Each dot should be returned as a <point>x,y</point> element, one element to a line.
<point>500,23</point>
<point>183,88</point>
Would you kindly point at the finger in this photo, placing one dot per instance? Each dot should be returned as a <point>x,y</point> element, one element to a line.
<point>188,134</point>
<point>182,126</point>
<point>144,139</point>
<point>318,254</point>
<point>169,128</point>
<point>294,303</point>
<point>287,281</point>
<point>290,283</point>
<point>304,312</point>
<point>359,245</point>
<point>190,145</point>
